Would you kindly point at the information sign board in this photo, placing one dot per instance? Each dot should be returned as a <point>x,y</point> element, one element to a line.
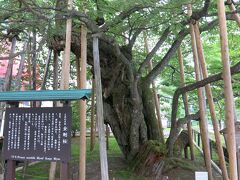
<point>37,134</point>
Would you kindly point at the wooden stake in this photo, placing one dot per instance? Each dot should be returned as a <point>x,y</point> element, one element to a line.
<point>211,103</point>
<point>92,135</point>
<point>101,133</point>
<point>82,104</point>
<point>228,93</point>
<point>156,100</point>
<point>189,126</point>
<point>203,123</point>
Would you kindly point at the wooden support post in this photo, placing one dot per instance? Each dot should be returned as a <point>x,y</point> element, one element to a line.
<point>21,68</point>
<point>189,126</point>
<point>101,134</point>
<point>55,70</point>
<point>210,102</point>
<point>210,145</point>
<point>67,51</point>
<point>107,136</point>
<point>228,92</point>
<point>55,74</point>
<point>203,123</point>
<point>92,135</point>
<point>8,76</point>
<point>199,139</point>
<point>82,103</point>
<point>53,165</point>
<point>64,83</point>
<point>234,11</point>
<point>156,100</point>
<point>43,85</point>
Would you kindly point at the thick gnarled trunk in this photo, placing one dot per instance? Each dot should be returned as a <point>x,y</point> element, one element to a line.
<point>128,103</point>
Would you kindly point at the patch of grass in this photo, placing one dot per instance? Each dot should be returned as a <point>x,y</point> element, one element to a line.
<point>40,170</point>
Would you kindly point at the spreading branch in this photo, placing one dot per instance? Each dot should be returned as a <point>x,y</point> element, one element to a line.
<point>203,12</point>
<point>42,16</point>
<point>175,125</point>
<point>154,50</point>
<point>175,45</point>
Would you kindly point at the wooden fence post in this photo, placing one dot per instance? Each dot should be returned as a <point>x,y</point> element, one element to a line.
<point>99,102</point>
<point>228,93</point>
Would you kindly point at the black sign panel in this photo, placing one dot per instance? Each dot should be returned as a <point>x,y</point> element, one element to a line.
<point>38,134</point>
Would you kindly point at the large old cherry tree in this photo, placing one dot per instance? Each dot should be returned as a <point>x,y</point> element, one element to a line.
<point>127,96</point>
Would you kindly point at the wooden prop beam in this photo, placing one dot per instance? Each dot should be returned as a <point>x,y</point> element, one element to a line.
<point>189,126</point>
<point>228,92</point>
<point>21,67</point>
<point>99,102</point>
<point>8,76</point>
<point>92,135</point>
<point>210,102</point>
<point>107,136</point>
<point>156,100</point>
<point>43,86</point>
<point>203,123</point>
<point>64,83</point>
<point>82,103</point>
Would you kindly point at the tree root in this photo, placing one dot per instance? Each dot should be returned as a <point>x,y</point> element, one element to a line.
<point>151,161</point>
